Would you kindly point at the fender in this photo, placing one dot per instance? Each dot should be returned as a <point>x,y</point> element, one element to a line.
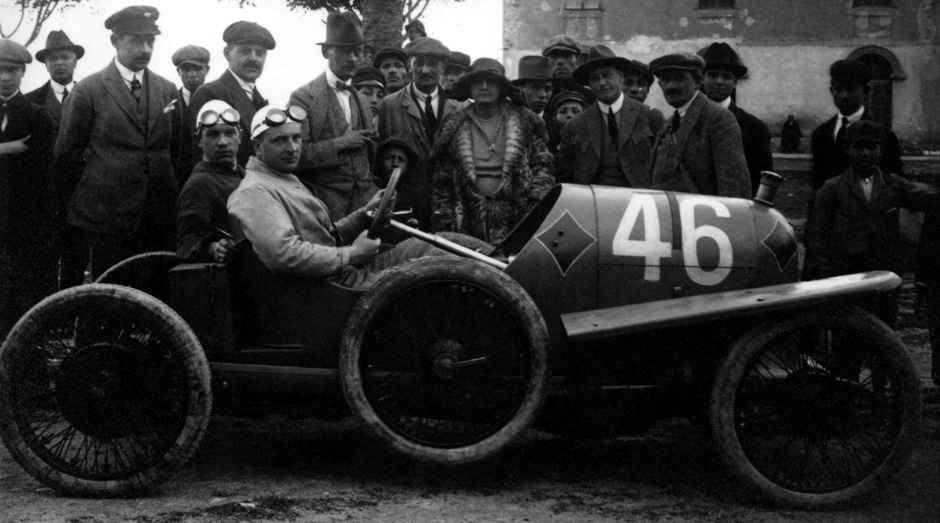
<point>680,312</point>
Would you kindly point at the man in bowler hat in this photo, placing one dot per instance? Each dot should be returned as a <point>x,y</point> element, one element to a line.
<point>192,64</point>
<point>123,120</point>
<point>338,137</point>
<point>27,268</point>
<point>246,49</point>
<point>700,149</point>
<point>609,143</point>
<point>723,70</point>
<point>415,114</point>
<point>61,57</point>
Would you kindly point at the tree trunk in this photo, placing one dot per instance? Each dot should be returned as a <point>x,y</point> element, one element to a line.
<point>382,20</point>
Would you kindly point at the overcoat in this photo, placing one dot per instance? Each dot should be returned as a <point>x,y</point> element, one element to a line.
<point>709,154</point>
<point>579,153</point>
<point>227,89</point>
<point>44,96</point>
<point>400,117</point>
<point>528,170</point>
<point>755,137</point>
<point>129,164</point>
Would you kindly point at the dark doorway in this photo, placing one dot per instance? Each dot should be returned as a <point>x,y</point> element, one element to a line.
<point>885,70</point>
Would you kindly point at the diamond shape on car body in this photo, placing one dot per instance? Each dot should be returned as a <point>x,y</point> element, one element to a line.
<point>566,240</point>
<point>781,243</point>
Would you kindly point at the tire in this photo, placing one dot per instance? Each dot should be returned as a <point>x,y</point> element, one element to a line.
<point>148,272</point>
<point>446,360</point>
<point>104,392</point>
<point>816,411</point>
<point>465,240</point>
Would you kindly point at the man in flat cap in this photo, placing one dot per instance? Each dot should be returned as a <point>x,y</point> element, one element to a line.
<point>609,143</point>
<point>855,218</point>
<point>192,64</point>
<point>27,265</point>
<point>246,49</point>
<point>849,86</point>
<point>61,57</point>
<point>338,136</point>
<point>370,83</point>
<point>456,66</point>
<point>699,150</point>
<point>415,113</point>
<point>393,62</point>
<point>723,70</point>
<point>565,53</point>
<point>415,30</point>
<point>124,116</point>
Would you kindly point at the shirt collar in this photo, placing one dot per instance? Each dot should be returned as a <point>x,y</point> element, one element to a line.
<point>422,96</point>
<point>254,164</point>
<point>248,87</point>
<point>331,79</point>
<point>58,88</point>
<point>127,74</point>
<point>12,96</point>
<point>854,117</point>
<point>685,108</point>
<point>186,94</point>
<point>616,106</point>
<point>871,178</point>
<point>726,103</point>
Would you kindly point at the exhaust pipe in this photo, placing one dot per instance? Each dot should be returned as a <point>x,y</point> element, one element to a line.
<point>769,181</point>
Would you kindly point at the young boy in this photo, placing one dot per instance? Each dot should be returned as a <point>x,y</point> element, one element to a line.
<point>855,227</point>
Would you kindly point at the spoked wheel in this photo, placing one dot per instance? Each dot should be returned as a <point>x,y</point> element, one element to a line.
<point>817,411</point>
<point>446,360</point>
<point>104,391</point>
<point>148,272</point>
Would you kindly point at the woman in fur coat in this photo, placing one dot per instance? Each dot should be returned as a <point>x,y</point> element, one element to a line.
<point>492,164</point>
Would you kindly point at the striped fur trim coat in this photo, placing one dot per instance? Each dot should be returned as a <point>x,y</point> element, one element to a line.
<point>528,174</point>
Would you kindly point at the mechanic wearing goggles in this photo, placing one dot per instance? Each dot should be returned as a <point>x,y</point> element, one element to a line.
<point>202,224</point>
<point>290,228</point>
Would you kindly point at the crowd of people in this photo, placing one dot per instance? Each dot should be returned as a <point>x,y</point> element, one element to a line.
<point>136,164</point>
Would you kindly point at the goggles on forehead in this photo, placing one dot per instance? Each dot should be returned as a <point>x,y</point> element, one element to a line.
<point>209,118</point>
<point>276,117</point>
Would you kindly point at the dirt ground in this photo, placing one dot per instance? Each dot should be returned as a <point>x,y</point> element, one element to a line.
<point>274,468</point>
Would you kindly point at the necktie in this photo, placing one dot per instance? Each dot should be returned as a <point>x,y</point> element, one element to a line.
<point>3,116</point>
<point>612,124</point>
<point>65,93</point>
<point>840,136</point>
<point>135,89</point>
<point>257,100</point>
<point>432,120</point>
<point>676,121</point>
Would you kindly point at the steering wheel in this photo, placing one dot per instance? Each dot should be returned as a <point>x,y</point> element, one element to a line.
<point>378,219</point>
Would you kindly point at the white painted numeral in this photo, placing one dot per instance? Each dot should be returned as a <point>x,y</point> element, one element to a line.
<point>650,248</point>
<point>692,234</point>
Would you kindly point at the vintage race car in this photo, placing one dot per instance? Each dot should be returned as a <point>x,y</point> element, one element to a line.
<point>604,310</point>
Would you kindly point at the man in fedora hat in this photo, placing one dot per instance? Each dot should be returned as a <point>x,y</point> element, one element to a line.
<point>26,136</point>
<point>609,143</point>
<point>415,113</point>
<point>723,70</point>
<point>699,150</point>
<point>192,64</point>
<point>246,50</point>
<point>61,57</point>
<point>535,81</point>
<point>338,136</point>
<point>393,62</point>
<point>123,120</point>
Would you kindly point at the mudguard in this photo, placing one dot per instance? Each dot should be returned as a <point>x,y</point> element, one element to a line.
<point>680,312</point>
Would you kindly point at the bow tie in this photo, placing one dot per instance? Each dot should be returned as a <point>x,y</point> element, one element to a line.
<point>340,86</point>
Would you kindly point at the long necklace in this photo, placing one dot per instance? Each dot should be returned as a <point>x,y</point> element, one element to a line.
<point>491,142</point>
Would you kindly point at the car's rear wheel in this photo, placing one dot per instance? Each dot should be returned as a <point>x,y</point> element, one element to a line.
<point>446,360</point>
<point>818,410</point>
<point>104,391</point>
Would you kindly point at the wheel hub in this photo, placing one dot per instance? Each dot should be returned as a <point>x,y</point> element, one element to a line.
<point>819,406</point>
<point>95,389</point>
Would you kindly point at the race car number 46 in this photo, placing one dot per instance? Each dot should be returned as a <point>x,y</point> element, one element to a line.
<point>650,246</point>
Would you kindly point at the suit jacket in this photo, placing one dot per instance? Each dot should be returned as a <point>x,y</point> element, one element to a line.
<point>400,116</point>
<point>579,153</point>
<point>227,89</point>
<point>129,165</point>
<point>321,162</point>
<point>44,96</point>
<point>755,136</point>
<point>185,157</point>
<point>710,154</point>
<point>830,159</point>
